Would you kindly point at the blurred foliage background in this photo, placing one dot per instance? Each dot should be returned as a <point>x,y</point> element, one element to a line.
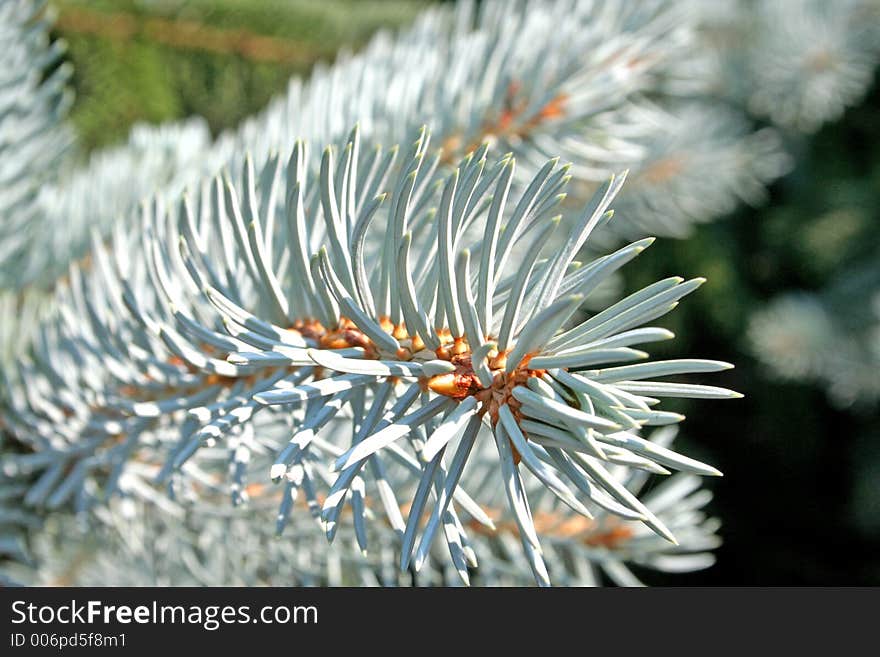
<point>157,60</point>
<point>800,499</point>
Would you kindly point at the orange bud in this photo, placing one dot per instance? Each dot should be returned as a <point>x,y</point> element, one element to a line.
<point>444,384</point>
<point>499,362</point>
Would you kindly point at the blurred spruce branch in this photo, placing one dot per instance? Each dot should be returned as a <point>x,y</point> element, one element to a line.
<point>184,35</point>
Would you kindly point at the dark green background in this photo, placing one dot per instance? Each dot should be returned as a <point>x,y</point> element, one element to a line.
<point>800,499</point>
